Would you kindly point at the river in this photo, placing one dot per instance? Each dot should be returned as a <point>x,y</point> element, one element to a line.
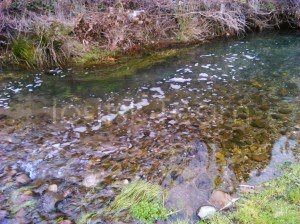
<point>89,132</point>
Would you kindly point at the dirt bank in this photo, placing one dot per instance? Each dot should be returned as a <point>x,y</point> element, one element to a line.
<point>38,34</point>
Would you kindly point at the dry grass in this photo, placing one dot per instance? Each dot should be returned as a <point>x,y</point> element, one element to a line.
<point>127,24</point>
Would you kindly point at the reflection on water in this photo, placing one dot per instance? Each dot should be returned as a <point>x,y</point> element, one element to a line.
<point>236,96</point>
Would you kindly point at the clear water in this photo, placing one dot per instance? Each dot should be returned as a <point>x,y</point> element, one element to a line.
<point>237,96</point>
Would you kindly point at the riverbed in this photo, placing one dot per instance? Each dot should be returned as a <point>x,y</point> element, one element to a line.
<point>89,133</point>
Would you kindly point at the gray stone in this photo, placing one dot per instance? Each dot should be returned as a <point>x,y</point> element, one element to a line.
<point>203,181</point>
<point>187,198</point>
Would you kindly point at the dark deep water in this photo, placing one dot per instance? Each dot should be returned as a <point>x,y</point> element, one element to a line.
<point>87,132</point>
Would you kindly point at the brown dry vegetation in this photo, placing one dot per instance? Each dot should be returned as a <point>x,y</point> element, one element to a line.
<point>56,31</point>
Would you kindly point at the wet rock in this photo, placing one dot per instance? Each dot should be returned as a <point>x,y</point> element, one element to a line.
<point>3,214</point>
<point>206,212</point>
<point>176,176</point>
<point>264,107</point>
<point>91,180</point>
<point>53,188</point>
<point>202,152</point>
<point>256,84</point>
<point>277,116</point>
<point>48,201</point>
<point>242,116</point>
<point>285,110</point>
<point>257,123</point>
<point>10,130</point>
<point>220,199</point>
<point>12,139</point>
<point>2,116</point>
<point>187,198</point>
<point>125,182</point>
<point>23,179</point>
<point>204,181</point>
<point>9,122</point>
<point>283,92</point>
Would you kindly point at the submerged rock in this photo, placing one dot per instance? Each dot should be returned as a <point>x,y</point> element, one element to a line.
<point>206,212</point>
<point>3,214</point>
<point>91,180</point>
<point>259,157</point>
<point>257,123</point>
<point>48,201</point>
<point>23,179</point>
<point>53,188</point>
<point>285,110</point>
<point>202,152</point>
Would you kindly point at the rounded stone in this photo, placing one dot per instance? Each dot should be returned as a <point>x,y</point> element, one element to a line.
<point>206,212</point>
<point>53,188</point>
<point>23,179</point>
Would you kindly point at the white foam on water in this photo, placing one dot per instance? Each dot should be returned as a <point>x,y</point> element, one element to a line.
<point>249,56</point>
<point>179,80</point>
<point>157,89</point>
<point>206,66</point>
<point>173,86</point>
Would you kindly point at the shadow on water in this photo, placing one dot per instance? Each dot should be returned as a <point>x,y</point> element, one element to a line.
<point>202,120</point>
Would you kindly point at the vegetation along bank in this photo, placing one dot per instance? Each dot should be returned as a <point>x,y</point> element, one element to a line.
<point>38,34</point>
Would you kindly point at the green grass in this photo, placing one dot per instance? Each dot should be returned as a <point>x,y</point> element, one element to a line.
<point>24,51</point>
<point>142,200</point>
<point>86,218</point>
<point>277,203</point>
<point>149,212</point>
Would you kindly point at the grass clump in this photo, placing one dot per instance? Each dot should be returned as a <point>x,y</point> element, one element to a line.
<point>142,200</point>
<point>277,203</point>
<point>24,51</point>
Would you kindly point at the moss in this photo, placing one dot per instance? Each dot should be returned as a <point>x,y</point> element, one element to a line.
<point>123,67</point>
<point>136,64</point>
<point>142,200</point>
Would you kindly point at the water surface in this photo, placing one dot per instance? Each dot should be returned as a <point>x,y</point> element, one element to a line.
<point>236,96</point>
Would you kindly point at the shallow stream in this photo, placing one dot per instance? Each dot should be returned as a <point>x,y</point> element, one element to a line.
<point>89,132</point>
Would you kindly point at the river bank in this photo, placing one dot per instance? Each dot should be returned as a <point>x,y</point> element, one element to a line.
<point>39,34</point>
